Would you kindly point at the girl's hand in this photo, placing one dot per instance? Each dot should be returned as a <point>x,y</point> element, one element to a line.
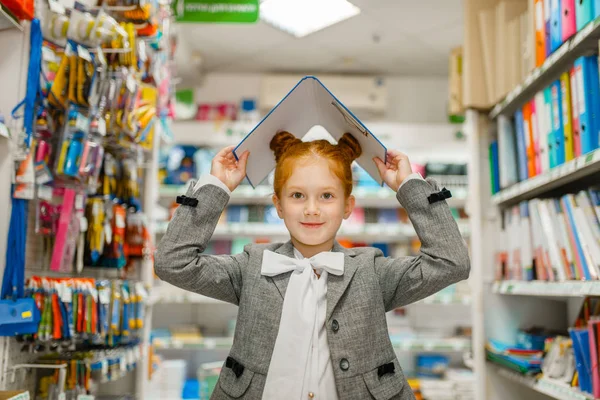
<point>395,169</point>
<point>229,170</point>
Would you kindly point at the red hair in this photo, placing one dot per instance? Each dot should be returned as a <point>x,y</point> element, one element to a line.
<point>288,149</point>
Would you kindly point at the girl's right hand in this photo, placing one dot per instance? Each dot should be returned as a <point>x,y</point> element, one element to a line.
<point>229,170</point>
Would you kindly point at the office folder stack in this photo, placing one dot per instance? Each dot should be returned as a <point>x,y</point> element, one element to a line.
<point>560,123</point>
<point>515,37</point>
<point>516,358</point>
<point>555,239</point>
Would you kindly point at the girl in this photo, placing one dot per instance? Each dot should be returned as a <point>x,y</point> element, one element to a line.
<point>311,321</point>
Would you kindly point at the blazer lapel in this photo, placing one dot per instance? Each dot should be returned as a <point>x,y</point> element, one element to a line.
<point>337,285</point>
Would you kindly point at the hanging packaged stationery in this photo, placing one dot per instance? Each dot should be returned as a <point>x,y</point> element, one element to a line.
<point>114,330</point>
<point>138,238</point>
<point>74,135</point>
<point>67,235</point>
<point>114,255</point>
<point>104,298</point>
<point>109,176</point>
<point>43,148</point>
<point>96,234</point>
<point>141,296</point>
<point>128,317</point>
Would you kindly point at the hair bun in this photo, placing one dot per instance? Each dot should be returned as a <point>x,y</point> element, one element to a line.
<point>281,142</point>
<point>350,147</point>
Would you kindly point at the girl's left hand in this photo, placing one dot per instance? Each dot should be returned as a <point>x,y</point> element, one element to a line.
<point>395,169</point>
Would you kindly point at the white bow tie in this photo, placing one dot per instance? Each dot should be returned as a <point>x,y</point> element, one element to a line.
<point>289,361</point>
<point>275,264</point>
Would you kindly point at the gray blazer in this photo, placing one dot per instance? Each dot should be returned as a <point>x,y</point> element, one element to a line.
<point>357,333</point>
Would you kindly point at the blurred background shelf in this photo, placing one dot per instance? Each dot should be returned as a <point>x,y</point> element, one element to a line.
<point>365,197</point>
<point>373,232</point>
<point>552,289</point>
<point>585,167</point>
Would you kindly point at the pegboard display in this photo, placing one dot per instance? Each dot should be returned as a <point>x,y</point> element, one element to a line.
<point>24,379</point>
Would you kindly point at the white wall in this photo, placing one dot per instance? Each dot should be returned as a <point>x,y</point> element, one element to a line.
<point>411,99</point>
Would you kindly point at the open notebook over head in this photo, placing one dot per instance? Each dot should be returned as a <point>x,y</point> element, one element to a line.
<point>308,104</point>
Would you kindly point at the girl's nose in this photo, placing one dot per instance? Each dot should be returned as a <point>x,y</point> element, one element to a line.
<point>312,208</point>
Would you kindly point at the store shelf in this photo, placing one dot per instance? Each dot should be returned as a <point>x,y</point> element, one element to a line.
<point>549,387</point>
<point>8,20</point>
<point>555,64</point>
<point>551,289</point>
<point>431,344</point>
<point>444,345</point>
<point>439,300</point>
<point>207,343</point>
<point>380,233</point>
<point>169,294</point>
<point>584,166</point>
<point>174,295</point>
<point>365,197</point>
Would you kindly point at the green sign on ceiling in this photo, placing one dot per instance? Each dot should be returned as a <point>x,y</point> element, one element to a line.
<point>236,11</point>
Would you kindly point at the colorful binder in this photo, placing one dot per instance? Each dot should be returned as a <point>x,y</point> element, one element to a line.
<point>555,25</point>
<point>584,13</point>
<point>529,142</point>
<point>565,92</point>
<point>550,141</point>
<point>542,129</point>
<point>581,347</point>
<point>540,33</point>
<point>557,124</point>
<point>588,107</point>
<point>521,147</point>
<point>507,152</point>
<point>594,336</point>
<point>548,26</point>
<point>535,135</point>
<point>568,23</point>
<point>575,113</point>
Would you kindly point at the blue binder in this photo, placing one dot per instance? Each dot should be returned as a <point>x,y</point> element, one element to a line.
<point>555,25</point>
<point>521,149</point>
<point>557,124</point>
<point>548,26</point>
<point>586,68</point>
<point>584,13</point>
<point>550,139</point>
<point>581,348</point>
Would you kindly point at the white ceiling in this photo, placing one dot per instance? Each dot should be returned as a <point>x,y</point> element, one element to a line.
<point>391,37</point>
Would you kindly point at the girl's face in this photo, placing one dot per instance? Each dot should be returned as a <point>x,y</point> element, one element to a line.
<point>312,205</point>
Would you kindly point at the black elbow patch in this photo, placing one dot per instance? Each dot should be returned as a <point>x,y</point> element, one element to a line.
<point>187,201</point>
<point>439,196</point>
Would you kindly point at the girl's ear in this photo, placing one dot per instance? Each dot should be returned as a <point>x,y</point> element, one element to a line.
<point>277,205</point>
<point>349,206</point>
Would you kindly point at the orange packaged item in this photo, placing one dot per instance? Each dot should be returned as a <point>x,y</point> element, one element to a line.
<point>22,9</point>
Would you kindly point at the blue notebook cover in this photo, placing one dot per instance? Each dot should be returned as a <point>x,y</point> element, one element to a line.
<point>578,248</point>
<point>557,124</point>
<point>584,13</point>
<point>521,151</point>
<point>556,25</point>
<point>581,348</point>
<point>495,167</point>
<point>587,74</point>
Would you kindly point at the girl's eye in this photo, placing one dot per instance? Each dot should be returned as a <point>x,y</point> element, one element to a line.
<point>327,196</point>
<point>297,195</point>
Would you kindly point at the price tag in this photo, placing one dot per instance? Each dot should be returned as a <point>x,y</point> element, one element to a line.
<point>210,343</point>
<point>85,397</point>
<point>62,396</point>
<point>428,346</point>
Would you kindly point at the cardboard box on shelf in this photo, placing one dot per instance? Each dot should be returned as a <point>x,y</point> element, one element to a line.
<point>14,395</point>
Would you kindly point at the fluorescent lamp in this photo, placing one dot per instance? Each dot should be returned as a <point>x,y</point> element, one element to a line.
<point>303,17</point>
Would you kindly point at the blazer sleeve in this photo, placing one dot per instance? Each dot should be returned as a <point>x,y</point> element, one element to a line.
<point>442,260</point>
<point>179,257</point>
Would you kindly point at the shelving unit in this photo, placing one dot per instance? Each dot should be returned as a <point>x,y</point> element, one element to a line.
<point>582,42</point>
<point>209,343</point>
<point>585,166</point>
<point>501,307</point>
<point>373,232</point>
<point>551,289</point>
<point>365,197</point>
<point>556,390</point>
